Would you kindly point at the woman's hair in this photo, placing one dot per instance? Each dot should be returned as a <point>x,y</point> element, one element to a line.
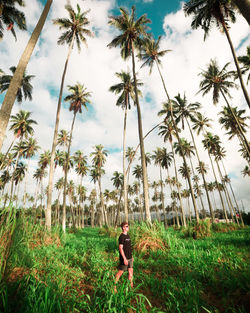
<point>123,224</point>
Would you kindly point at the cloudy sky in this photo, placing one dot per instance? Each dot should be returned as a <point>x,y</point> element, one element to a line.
<point>95,67</point>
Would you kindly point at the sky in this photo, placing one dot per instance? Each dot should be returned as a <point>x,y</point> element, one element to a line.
<point>95,67</point>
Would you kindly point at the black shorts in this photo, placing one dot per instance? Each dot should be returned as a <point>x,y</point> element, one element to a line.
<point>124,268</point>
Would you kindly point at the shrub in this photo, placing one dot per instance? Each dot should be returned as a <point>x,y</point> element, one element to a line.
<point>148,237</point>
<point>224,227</point>
<point>198,230</point>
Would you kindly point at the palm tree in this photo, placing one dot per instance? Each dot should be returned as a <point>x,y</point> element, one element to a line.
<point>219,82</point>
<point>10,15</point>
<point>131,38</point>
<point>227,121</point>
<point>25,90</point>
<point>125,90</point>
<point>246,171</point>
<point>219,12</point>
<point>185,149</point>
<point>168,131</point>
<point>210,143</point>
<point>186,112</point>
<point>16,81</point>
<point>63,138</point>
<point>75,32</point>
<point>59,187</point>
<point>21,126</point>
<point>98,161</point>
<point>118,184</point>
<point>79,97</point>
<point>161,158</point>
<point>30,148</point>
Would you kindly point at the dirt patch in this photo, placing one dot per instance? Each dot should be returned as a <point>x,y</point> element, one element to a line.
<point>17,274</point>
<point>45,240</point>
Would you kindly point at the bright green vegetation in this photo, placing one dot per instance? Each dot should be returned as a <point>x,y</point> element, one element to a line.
<point>75,272</point>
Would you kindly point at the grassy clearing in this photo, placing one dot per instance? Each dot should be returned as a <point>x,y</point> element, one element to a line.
<point>75,273</point>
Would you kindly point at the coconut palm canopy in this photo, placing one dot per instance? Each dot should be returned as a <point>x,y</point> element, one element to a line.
<point>182,55</point>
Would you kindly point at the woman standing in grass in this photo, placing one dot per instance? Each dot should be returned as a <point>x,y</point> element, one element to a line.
<point>125,251</point>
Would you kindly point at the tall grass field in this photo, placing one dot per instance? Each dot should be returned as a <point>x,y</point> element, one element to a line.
<point>52,272</point>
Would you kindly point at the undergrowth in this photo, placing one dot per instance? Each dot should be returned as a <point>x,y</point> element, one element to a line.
<point>53,272</point>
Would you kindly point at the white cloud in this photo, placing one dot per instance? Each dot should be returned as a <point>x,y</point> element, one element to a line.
<point>95,67</point>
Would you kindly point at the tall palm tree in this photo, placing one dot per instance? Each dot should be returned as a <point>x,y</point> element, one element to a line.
<point>98,161</point>
<point>30,148</point>
<point>186,112</point>
<point>161,159</point>
<point>210,143</point>
<point>21,127</point>
<point>16,81</point>
<point>10,15</point>
<point>59,187</point>
<point>79,97</point>
<point>168,131</point>
<point>75,31</point>
<point>118,184</point>
<point>215,12</point>
<point>219,82</point>
<point>125,90</point>
<point>185,149</point>
<point>131,36</point>
<point>25,90</point>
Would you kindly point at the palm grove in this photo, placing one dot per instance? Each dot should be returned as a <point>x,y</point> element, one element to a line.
<point>187,185</point>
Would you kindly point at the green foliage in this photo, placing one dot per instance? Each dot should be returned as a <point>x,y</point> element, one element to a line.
<point>224,227</point>
<point>76,273</point>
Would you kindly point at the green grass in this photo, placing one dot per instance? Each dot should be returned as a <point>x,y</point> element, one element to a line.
<point>75,273</point>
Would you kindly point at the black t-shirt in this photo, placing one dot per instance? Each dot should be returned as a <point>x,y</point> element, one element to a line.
<point>126,242</point>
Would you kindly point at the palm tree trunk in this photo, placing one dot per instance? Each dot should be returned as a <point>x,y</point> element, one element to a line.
<point>13,175</point>
<point>217,185</point>
<point>25,185</point>
<point>236,63</point>
<point>53,149</point>
<point>178,188</point>
<point>125,191</point>
<point>143,159</point>
<point>66,175</point>
<point>5,156</point>
<point>202,174</point>
<point>15,83</point>
<point>162,201</point>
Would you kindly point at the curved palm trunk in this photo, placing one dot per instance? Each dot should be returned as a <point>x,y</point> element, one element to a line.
<point>178,188</point>
<point>202,174</point>
<point>66,176</point>
<point>125,189</point>
<point>178,138</point>
<point>15,83</point>
<point>143,159</point>
<point>241,133</point>
<point>53,149</point>
<point>236,63</point>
